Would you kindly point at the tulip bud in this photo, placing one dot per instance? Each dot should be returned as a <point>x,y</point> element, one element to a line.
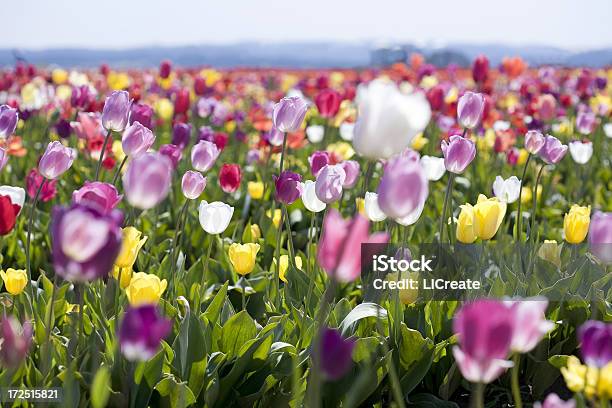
<point>141,332</point>
<point>351,169</point>
<point>433,167</point>
<point>371,208</point>
<point>488,216</point>
<point>181,134</point>
<point>82,97</point>
<point>465,225</point>
<point>507,190</point>
<point>289,113</point>
<point>581,152</point>
<point>193,184</point>
<point>553,150</point>
<point>172,152</point>
<point>530,322</point>
<point>203,155</point>
<point>230,176</point>
<point>288,187</point>
<point>534,141</point>
<point>103,196</point>
<point>586,122</point>
<point>15,340</point>
<point>147,180</point>
<point>215,217</point>
<point>310,199</point>
<point>335,354</point>
<point>600,236</point>
<point>142,113</point>
<point>317,161</point>
<point>328,103</point>
<point>145,289</point>
<point>243,257</point>
<point>469,109</point>
<point>328,185</point>
<point>596,343</point>
<point>394,198</point>
<point>8,121</point>
<point>137,139</point>
<point>165,67</point>
<point>15,280</point>
<point>550,251</point>
<point>116,111</point>
<point>56,160</point>
<point>576,224</point>
<point>458,153</point>
<point>480,69</point>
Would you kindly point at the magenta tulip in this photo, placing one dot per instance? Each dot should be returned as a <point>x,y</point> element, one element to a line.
<point>147,180</point>
<point>288,187</point>
<point>403,187</point>
<point>317,161</point>
<point>8,121</point>
<point>458,153</point>
<point>15,341</point>
<point>103,196</point>
<point>530,322</point>
<point>469,109</point>
<point>351,169</point>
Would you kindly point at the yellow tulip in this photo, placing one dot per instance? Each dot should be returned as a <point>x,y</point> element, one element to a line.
<point>576,224</point>
<point>243,256</point>
<point>522,157</point>
<point>166,83</point>
<point>465,225</point>
<point>118,80</point>
<point>15,280</point>
<point>550,251</point>
<point>230,126</point>
<point>452,95</point>
<point>118,152</point>
<point>211,76</point>
<point>342,149</point>
<point>284,265</point>
<point>488,216</point>
<point>125,273</point>
<point>256,189</point>
<point>580,378</point>
<point>63,92</point>
<point>59,76</point>
<point>164,109</point>
<point>276,219</point>
<point>604,388</point>
<point>407,295</point>
<point>130,246</point>
<point>145,288</point>
<point>360,203</point>
<point>419,142</point>
<point>255,231</point>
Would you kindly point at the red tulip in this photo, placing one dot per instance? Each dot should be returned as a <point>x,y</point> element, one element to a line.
<point>328,103</point>
<point>181,101</point>
<point>229,177</point>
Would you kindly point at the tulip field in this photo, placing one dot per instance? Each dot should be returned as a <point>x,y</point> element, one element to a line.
<point>409,236</point>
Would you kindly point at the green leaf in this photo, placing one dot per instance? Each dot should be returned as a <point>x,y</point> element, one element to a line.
<point>214,308</point>
<point>362,311</point>
<point>558,361</point>
<point>100,388</point>
<point>178,392</point>
<point>430,401</point>
<point>238,330</point>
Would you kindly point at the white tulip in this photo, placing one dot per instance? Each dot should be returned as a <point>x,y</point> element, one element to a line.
<point>215,217</point>
<point>372,210</point>
<point>315,133</point>
<point>347,131</point>
<point>581,152</point>
<point>507,190</point>
<point>15,194</point>
<point>412,217</point>
<point>608,129</point>
<point>434,167</point>
<point>388,120</point>
<point>310,199</point>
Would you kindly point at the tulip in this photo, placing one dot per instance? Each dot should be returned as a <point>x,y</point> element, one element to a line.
<point>147,180</point>
<point>203,155</point>
<point>507,190</point>
<point>351,169</point>
<point>284,265</point>
<point>465,225</point>
<point>143,114</point>
<point>274,137</point>
<point>165,67</point>
<point>328,103</point>
<point>581,152</point>
<point>553,150</point>
<point>82,96</point>
<point>35,181</point>
<point>546,105</point>
<point>288,187</point>
<point>529,319</point>
<point>394,198</point>
<point>596,343</point>
<point>458,153</point>
<point>586,122</point>
<point>469,109</point>
<point>84,241</point>
<point>8,121</point>
<point>340,245</point>
<point>335,354</point>
<point>310,199</point>
<point>181,134</point>
<point>255,189</point>
<point>116,111</point>
<point>317,161</point>
<point>172,152</point>
<point>15,280</point>
<point>550,251</point>
<point>130,247</point>
<point>315,133</point>
<point>243,257</point>
<point>276,217</point>
<point>11,203</point>
<point>534,141</point>
<point>137,139</point>
<point>15,341</point>
<point>600,236</point>
<point>3,157</point>
<point>145,289</point>
<point>229,177</point>
<point>485,330</point>
<point>289,113</point>
<point>193,184</point>
<point>141,332</point>
<point>347,131</point>
<point>488,216</point>
<point>580,378</point>
<point>480,69</point>
<point>553,401</point>
<point>576,224</point>
<point>56,160</point>
<point>164,109</point>
<point>433,167</point>
<point>103,196</point>
<point>412,217</point>
<point>388,119</point>
<point>328,186</point>
<point>215,217</point>
<point>371,208</point>
<point>181,101</point>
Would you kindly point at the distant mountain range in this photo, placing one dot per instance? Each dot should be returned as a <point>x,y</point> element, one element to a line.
<point>301,55</point>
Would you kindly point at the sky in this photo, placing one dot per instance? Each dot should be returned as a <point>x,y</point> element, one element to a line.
<point>120,24</point>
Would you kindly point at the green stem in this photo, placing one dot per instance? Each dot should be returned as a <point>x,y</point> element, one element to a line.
<point>308,269</point>
<point>289,237</point>
<point>516,388</point>
<point>118,172</point>
<point>535,202</point>
<point>449,189</point>
<point>177,232</point>
<point>101,159</point>
<point>282,159</point>
<point>204,271</point>
<point>277,257</point>
<point>478,396</point>
<point>29,238</point>
<point>518,236</point>
<point>366,179</point>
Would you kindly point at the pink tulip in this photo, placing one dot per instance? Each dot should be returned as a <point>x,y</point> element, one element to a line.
<point>56,160</point>
<point>403,187</point>
<point>147,180</point>
<point>3,157</point>
<point>339,251</point>
<point>193,184</point>
<point>88,127</point>
<point>137,139</point>
<point>103,196</point>
<point>530,323</point>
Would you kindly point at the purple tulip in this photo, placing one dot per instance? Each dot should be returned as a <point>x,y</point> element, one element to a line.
<point>351,168</point>
<point>458,153</point>
<point>116,111</point>
<point>485,330</point>
<point>534,141</point>
<point>193,184</point>
<point>528,314</point>
<point>600,236</point>
<point>289,113</point>
<point>204,155</point>
<point>328,186</point>
<point>142,113</point>
<point>469,109</point>
<point>3,157</point>
<point>553,150</point>
<point>596,343</point>
<point>8,121</point>
<point>147,180</point>
<point>288,187</point>
<point>103,196</point>
<point>181,134</point>
<point>335,354</point>
<point>252,156</point>
<point>85,242</point>
<point>63,128</point>
<point>206,133</point>
<point>553,401</point>
<point>274,137</point>
<point>137,139</point>
<point>394,198</point>
<point>82,97</point>
<point>317,161</point>
<point>141,332</point>
<point>56,160</point>
<point>15,341</point>
<point>586,122</point>
<point>172,152</point>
